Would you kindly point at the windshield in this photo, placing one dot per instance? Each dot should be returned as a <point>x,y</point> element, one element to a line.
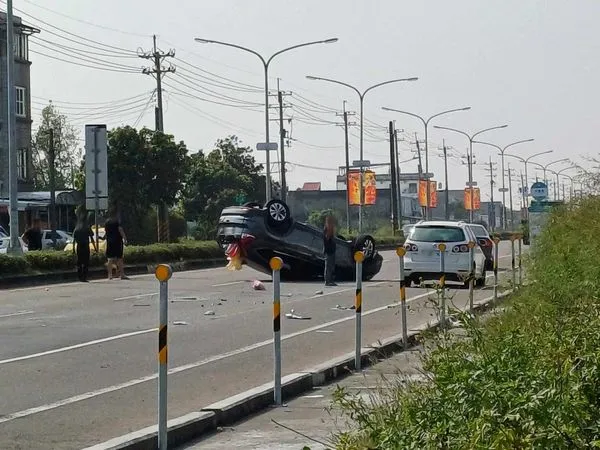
<point>437,234</point>
<point>479,231</point>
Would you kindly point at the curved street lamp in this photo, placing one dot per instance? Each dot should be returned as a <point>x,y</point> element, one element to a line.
<point>502,150</point>
<point>525,161</point>
<point>471,138</point>
<point>266,62</point>
<point>426,123</point>
<point>361,96</point>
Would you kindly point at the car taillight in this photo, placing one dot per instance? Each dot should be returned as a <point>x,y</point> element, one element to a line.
<point>460,249</point>
<point>411,248</point>
<point>484,243</point>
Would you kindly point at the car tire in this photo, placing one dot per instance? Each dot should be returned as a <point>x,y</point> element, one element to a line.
<point>480,282</point>
<point>366,244</point>
<point>278,215</point>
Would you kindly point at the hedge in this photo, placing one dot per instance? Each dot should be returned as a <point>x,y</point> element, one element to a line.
<point>49,261</point>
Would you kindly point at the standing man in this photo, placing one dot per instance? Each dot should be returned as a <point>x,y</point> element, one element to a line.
<point>82,236</point>
<point>329,250</point>
<point>33,236</point>
<point>115,240</point>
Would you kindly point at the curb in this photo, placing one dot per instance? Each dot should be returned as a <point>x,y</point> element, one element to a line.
<point>97,273</point>
<point>226,412</point>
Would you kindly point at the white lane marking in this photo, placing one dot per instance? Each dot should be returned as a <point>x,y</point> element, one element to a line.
<point>339,291</point>
<point>76,346</point>
<point>20,313</point>
<point>211,359</point>
<point>324,331</point>
<point>228,284</point>
<point>129,297</point>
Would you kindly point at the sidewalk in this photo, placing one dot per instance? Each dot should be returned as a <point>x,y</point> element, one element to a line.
<point>309,414</point>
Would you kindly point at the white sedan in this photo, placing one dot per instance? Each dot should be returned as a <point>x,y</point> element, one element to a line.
<point>5,244</point>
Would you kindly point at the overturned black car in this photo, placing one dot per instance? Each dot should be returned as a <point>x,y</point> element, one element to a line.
<point>260,233</point>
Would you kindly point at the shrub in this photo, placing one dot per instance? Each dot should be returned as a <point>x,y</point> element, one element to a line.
<point>528,378</point>
<point>11,265</point>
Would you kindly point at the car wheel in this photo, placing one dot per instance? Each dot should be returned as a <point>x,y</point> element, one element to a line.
<point>365,244</point>
<point>278,214</point>
<point>480,282</point>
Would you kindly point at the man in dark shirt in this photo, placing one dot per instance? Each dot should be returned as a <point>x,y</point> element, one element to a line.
<point>329,250</point>
<point>33,236</point>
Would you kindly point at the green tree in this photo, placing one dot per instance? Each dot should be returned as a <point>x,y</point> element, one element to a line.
<point>145,168</point>
<point>220,179</point>
<point>66,149</point>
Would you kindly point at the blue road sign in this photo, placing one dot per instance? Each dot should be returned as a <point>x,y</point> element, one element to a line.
<point>539,190</point>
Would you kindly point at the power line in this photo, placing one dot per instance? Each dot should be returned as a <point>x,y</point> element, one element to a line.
<point>87,50</point>
<point>61,102</point>
<point>81,64</point>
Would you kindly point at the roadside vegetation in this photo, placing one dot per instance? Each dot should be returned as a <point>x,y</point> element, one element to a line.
<point>526,378</point>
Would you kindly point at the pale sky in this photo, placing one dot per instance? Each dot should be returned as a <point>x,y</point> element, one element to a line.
<point>530,64</point>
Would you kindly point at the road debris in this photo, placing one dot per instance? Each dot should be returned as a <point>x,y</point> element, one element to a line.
<point>342,308</point>
<point>209,313</point>
<point>180,322</point>
<point>292,315</point>
<point>319,293</point>
<point>258,285</point>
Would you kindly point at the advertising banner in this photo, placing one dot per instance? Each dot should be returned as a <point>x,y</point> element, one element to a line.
<point>354,187</point>
<point>476,201</point>
<point>432,193</point>
<point>370,186</point>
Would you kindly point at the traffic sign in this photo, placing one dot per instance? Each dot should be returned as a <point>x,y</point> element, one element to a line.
<point>472,183</point>
<point>266,146</point>
<point>539,190</point>
<point>361,163</point>
<point>503,190</point>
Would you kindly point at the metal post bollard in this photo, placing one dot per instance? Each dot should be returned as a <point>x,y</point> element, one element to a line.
<point>496,242</point>
<point>513,265</point>
<point>163,273</point>
<point>401,251</point>
<point>276,264</point>
<point>520,261</point>
<point>358,258</point>
<point>471,274</point>
<point>442,249</point>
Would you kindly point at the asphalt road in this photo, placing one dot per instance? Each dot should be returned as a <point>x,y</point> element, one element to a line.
<point>78,362</point>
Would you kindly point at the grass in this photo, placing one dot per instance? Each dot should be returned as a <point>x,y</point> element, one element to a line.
<point>528,378</point>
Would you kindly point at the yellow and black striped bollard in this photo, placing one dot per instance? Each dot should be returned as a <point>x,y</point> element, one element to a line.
<point>358,259</point>
<point>442,250</point>
<point>163,273</point>
<point>496,243</point>
<point>513,265</point>
<point>401,251</point>
<point>276,264</point>
<point>471,246</point>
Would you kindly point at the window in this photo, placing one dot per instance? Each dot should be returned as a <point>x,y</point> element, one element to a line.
<point>21,46</point>
<point>437,234</point>
<point>20,97</point>
<point>412,188</point>
<point>22,164</point>
<point>479,231</point>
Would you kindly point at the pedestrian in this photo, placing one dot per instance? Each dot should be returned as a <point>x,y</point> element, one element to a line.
<point>329,250</point>
<point>115,240</point>
<point>33,236</point>
<point>82,236</point>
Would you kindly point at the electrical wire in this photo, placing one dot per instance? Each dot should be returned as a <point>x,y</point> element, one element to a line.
<point>189,95</point>
<point>216,94</point>
<point>82,65</point>
<point>250,86</point>
<point>86,51</point>
<point>213,82</point>
<point>60,102</point>
<point>310,167</point>
<point>103,27</point>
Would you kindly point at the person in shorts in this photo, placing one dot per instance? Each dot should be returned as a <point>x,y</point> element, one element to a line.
<point>115,240</point>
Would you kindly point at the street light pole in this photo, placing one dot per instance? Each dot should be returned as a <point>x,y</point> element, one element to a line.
<point>470,159</point>
<point>426,125</point>
<point>361,97</point>
<point>502,151</point>
<point>266,63</point>
<point>525,161</point>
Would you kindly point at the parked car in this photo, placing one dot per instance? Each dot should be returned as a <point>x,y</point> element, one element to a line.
<point>260,233</point>
<point>485,242</point>
<point>101,245</point>
<point>62,239</point>
<point>422,259</point>
<point>5,243</point>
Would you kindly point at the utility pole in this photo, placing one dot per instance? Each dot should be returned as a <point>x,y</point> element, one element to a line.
<point>492,216</point>
<point>523,192</point>
<point>512,213</point>
<point>282,135</point>
<point>13,184</point>
<point>345,115</point>
<point>423,208</point>
<point>157,72</point>
<point>447,200</point>
<point>398,183</point>
<point>393,178</point>
<point>52,180</point>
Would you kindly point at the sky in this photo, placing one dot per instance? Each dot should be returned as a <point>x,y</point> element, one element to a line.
<point>530,64</point>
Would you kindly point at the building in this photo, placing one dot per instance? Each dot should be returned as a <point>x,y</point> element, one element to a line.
<point>22,83</point>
